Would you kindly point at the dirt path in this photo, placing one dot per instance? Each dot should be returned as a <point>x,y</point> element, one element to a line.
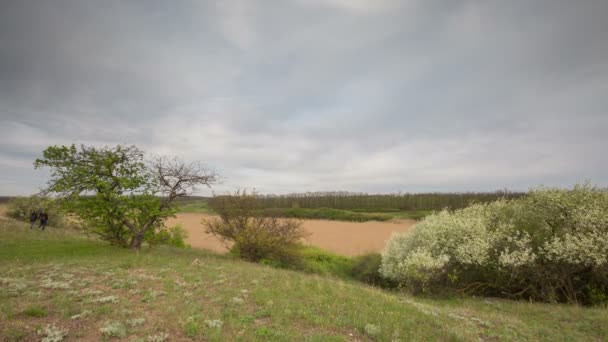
<point>345,238</point>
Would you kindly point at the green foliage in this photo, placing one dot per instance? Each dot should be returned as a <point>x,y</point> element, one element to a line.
<point>254,236</point>
<point>193,205</point>
<point>318,261</point>
<point>35,311</point>
<point>115,193</point>
<point>192,327</point>
<point>324,214</point>
<point>551,245</point>
<point>201,205</point>
<point>173,236</point>
<point>366,269</point>
<point>382,203</point>
<point>21,207</point>
<point>105,187</point>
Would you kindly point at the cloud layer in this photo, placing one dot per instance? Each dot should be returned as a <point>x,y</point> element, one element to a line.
<point>290,96</point>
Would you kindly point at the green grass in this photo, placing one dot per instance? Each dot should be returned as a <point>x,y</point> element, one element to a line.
<point>325,214</point>
<point>197,205</point>
<point>35,311</point>
<point>67,275</point>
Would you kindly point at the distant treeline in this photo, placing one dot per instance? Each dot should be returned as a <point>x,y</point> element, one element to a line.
<point>382,202</point>
<point>4,199</point>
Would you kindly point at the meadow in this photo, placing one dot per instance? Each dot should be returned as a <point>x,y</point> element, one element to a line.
<point>61,285</point>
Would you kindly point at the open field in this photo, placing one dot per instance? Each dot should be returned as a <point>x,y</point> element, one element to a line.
<point>201,205</point>
<point>345,238</point>
<point>89,291</point>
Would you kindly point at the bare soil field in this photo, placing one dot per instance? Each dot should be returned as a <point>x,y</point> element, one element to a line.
<point>344,238</point>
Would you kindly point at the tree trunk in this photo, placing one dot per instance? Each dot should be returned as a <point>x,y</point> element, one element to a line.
<point>136,241</point>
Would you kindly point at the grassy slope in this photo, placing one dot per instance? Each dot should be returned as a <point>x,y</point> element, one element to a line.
<point>176,297</point>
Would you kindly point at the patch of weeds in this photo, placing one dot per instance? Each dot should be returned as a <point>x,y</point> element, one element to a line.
<point>126,265</point>
<point>214,323</point>
<point>262,313</point>
<point>104,300</point>
<point>83,314</point>
<point>237,300</point>
<point>91,292</point>
<point>35,311</point>
<point>266,332</point>
<point>372,330</point>
<point>51,333</point>
<point>152,295</point>
<point>104,309</point>
<point>247,319</point>
<point>160,337</point>
<point>112,329</point>
<point>15,334</point>
<point>48,283</point>
<point>136,322</point>
<point>124,284</point>
<point>191,327</point>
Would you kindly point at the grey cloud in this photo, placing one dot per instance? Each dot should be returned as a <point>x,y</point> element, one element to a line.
<point>314,95</point>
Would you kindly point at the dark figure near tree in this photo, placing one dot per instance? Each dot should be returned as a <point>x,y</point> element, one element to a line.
<point>44,219</point>
<point>33,219</point>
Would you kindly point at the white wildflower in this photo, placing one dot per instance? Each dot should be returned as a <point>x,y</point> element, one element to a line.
<point>160,337</point>
<point>104,300</point>
<point>113,329</point>
<point>237,300</point>
<point>372,329</point>
<point>135,322</point>
<point>214,323</point>
<point>51,333</point>
<point>83,314</point>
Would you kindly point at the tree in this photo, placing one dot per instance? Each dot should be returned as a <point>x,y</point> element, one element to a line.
<point>245,230</point>
<point>120,197</point>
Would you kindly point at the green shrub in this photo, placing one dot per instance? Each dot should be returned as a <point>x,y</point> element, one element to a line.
<point>366,269</point>
<point>253,235</point>
<point>318,261</point>
<point>551,245</point>
<point>174,236</point>
<point>20,208</point>
<point>35,311</point>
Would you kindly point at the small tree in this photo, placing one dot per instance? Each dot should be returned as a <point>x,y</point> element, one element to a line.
<point>117,195</point>
<point>244,228</point>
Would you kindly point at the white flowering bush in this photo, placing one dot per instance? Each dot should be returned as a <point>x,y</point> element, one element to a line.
<point>51,333</point>
<point>112,329</point>
<point>551,245</point>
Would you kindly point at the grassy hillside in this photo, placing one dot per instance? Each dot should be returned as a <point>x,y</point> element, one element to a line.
<point>92,291</point>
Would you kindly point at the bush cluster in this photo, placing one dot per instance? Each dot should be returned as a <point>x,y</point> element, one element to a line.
<point>20,208</point>
<point>173,236</point>
<point>551,245</point>
<point>250,234</point>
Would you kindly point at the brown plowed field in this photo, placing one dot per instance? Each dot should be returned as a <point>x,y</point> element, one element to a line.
<point>345,238</point>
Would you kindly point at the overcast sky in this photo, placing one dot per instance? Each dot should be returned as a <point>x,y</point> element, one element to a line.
<point>308,95</point>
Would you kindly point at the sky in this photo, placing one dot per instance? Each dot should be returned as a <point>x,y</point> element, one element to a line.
<point>290,96</point>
